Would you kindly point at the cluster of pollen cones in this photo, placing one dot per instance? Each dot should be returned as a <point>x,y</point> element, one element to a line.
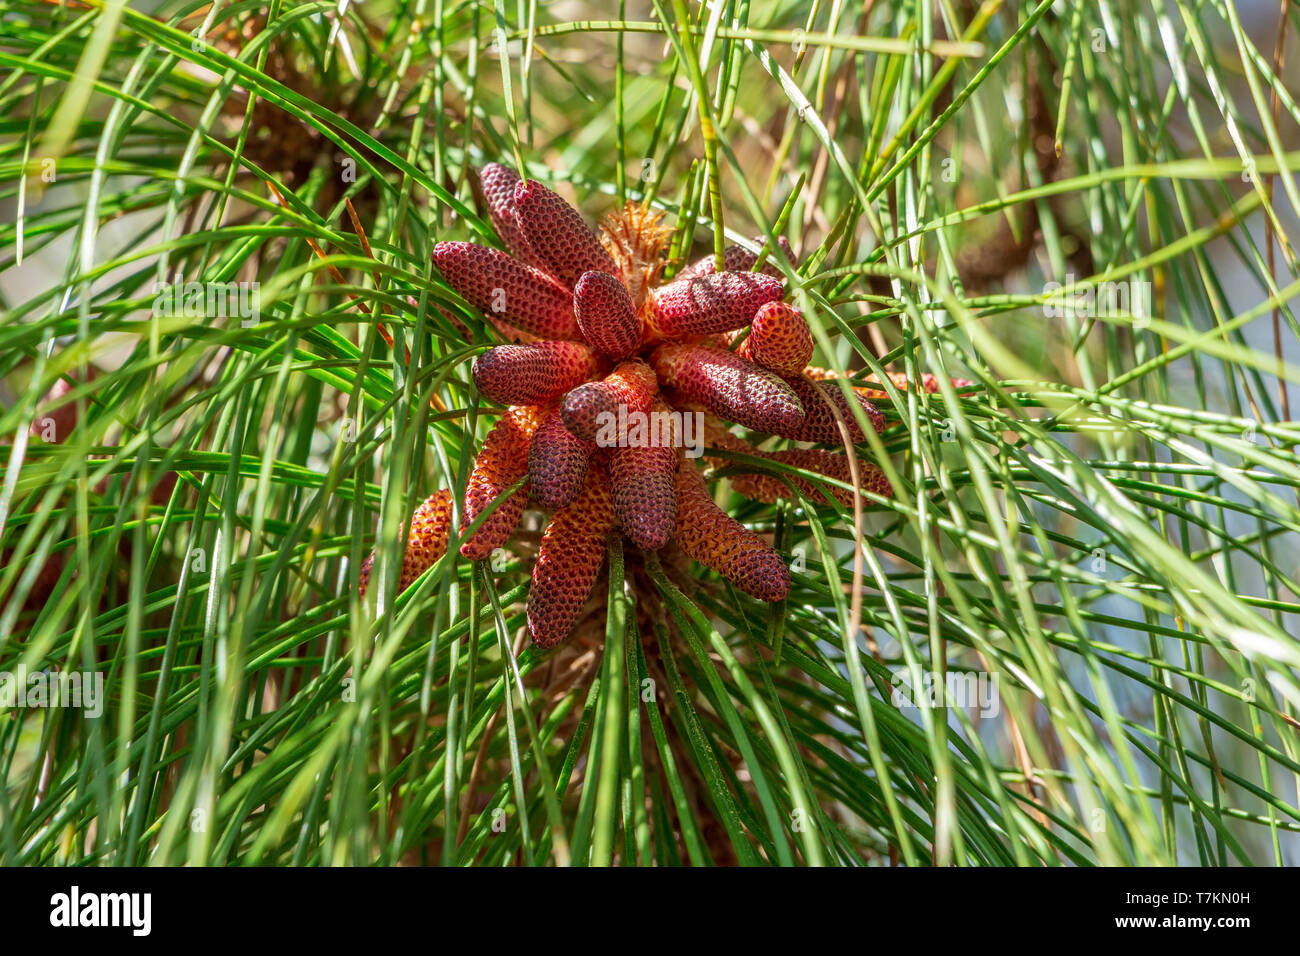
<point>596,338</point>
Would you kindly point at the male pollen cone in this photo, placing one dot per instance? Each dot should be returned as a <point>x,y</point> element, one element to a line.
<point>632,384</point>
<point>718,302</point>
<point>558,235</point>
<point>768,488</point>
<point>498,183</point>
<point>642,477</point>
<point>507,289</point>
<point>819,425</point>
<point>501,462</point>
<point>779,339</point>
<point>606,314</point>
<point>738,259</point>
<point>929,383</point>
<point>533,373</point>
<point>715,539</point>
<point>425,544</point>
<point>729,386</point>
<point>569,560</point>
<point>557,463</point>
